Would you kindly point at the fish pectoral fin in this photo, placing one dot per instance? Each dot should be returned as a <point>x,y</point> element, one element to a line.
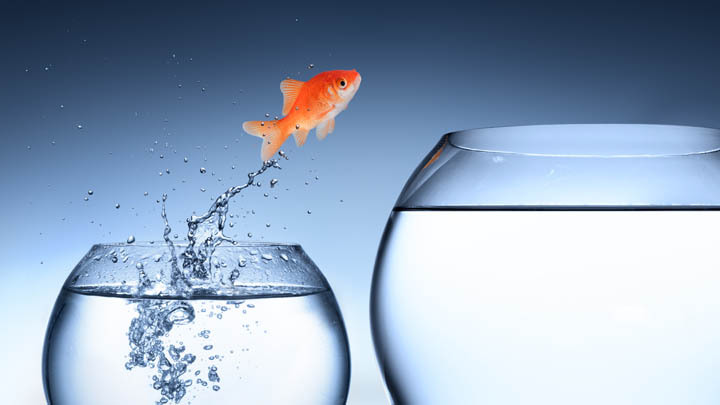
<point>325,128</point>
<point>300,136</point>
<point>290,89</point>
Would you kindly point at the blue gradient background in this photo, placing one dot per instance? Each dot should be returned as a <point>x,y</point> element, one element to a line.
<point>115,69</point>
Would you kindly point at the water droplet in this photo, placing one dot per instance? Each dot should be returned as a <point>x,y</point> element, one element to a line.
<point>297,126</point>
<point>202,189</point>
<point>208,347</point>
<point>167,171</point>
<point>267,225</point>
<point>131,239</point>
<point>267,114</point>
<point>179,86</point>
<point>267,256</point>
<point>62,106</point>
<point>90,192</point>
<point>139,266</point>
<point>203,170</point>
<point>216,388</point>
<point>273,182</point>
<point>117,205</point>
<point>249,234</point>
<point>85,198</point>
<point>79,126</point>
<point>309,212</point>
<point>145,194</point>
<point>114,259</point>
<point>185,159</point>
<point>284,256</point>
<point>310,66</point>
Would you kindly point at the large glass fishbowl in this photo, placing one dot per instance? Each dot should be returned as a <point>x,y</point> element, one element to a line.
<point>261,327</point>
<point>555,264</point>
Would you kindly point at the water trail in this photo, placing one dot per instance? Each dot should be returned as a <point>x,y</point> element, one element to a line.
<point>156,318</point>
<point>196,257</point>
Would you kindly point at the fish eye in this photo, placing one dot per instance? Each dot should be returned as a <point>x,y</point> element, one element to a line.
<point>343,83</point>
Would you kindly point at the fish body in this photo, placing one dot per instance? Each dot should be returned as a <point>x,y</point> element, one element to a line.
<point>306,105</point>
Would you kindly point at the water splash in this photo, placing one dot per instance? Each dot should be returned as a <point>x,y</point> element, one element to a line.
<point>156,317</point>
<point>202,241</point>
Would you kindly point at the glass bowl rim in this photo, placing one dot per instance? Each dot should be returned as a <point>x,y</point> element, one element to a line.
<point>182,244</point>
<point>481,134</point>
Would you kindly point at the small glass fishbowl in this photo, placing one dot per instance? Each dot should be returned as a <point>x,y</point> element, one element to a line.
<point>263,328</point>
<point>554,264</point>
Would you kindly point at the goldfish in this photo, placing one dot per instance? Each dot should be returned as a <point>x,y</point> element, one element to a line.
<point>306,105</point>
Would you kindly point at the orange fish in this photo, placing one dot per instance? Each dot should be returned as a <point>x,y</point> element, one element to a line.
<point>306,105</point>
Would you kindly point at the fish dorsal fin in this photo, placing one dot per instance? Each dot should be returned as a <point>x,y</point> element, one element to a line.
<point>290,89</point>
<point>300,136</point>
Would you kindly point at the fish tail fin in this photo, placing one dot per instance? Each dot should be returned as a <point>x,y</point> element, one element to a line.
<point>272,133</point>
